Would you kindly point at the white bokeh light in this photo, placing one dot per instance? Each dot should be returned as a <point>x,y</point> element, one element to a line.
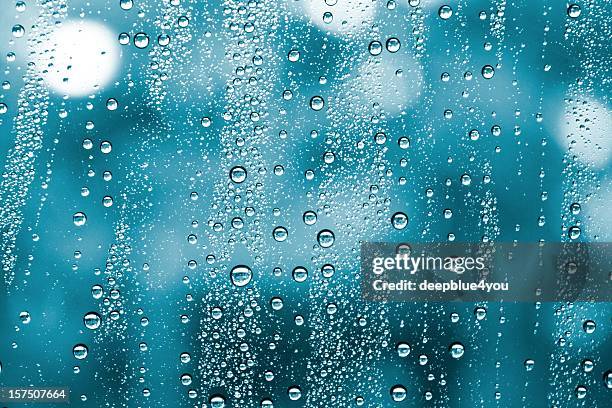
<point>584,128</point>
<point>395,82</point>
<point>79,57</point>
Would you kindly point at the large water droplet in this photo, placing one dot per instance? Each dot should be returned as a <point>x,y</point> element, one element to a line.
<point>574,10</point>
<point>241,275</point>
<point>456,349</point>
<point>403,349</point>
<point>238,174</point>
<point>398,393</point>
<point>79,219</point>
<point>92,320</point>
<point>280,234</point>
<point>80,351</point>
<point>317,103</point>
<point>445,12</point>
<point>488,72</point>
<point>217,401</point>
<point>300,274</point>
<point>399,220</point>
<point>141,40</point>
<point>294,392</point>
<point>18,31</point>
<point>326,238</point>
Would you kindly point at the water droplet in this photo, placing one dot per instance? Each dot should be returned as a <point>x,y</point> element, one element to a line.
<point>317,103</point>
<point>393,45</point>
<point>266,403</point>
<point>380,138</point>
<point>280,234</point>
<point>488,72</point>
<point>328,270</point>
<point>294,392</point>
<point>141,40</point>
<point>183,21</point>
<point>217,401</point>
<point>403,349</point>
<point>80,351</point>
<point>186,379</point>
<point>587,365</point>
<point>79,219</point>
<point>456,349</point>
<point>399,220</point>
<point>124,38</point>
<point>310,217</point>
<point>293,56</point>
<point>398,393</point>
<point>328,17</point>
<point>238,174</point>
<point>18,31</point>
<point>529,363</point>
<point>25,317</point>
<point>574,10</point>
<point>581,391</point>
<point>375,48</point>
<point>589,326</point>
<point>106,147</point>
<point>111,104</point>
<point>300,274</point>
<point>574,232</point>
<point>276,303</point>
<point>607,378</point>
<point>241,275</point>
<point>326,238</point>
<point>480,313</point>
<point>163,40</point>
<point>126,4</point>
<point>92,320</point>
<point>466,180</point>
<point>97,291</point>
<point>445,12</point>
<point>107,201</point>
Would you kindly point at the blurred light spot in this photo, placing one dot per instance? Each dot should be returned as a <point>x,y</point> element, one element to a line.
<point>395,83</point>
<point>584,130</point>
<point>79,57</point>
